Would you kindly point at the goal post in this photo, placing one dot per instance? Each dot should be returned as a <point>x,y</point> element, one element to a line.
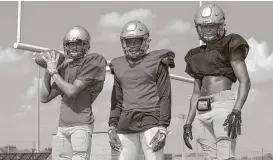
<point>33,48</point>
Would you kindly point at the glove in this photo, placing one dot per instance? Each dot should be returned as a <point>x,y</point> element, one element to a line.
<point>52,60</point>
<point>159,139</point>
<point>169,61</point>
<point>233,122</point>
<point>114,139</point>
<point>187,135</point>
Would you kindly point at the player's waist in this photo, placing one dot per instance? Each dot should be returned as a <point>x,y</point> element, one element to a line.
<point>141,108</point>
<point>220,96</point>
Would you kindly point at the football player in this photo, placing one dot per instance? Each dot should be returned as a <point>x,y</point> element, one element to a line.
<point>215,66</point>
<point>79,80</point>
<point>141,96</point>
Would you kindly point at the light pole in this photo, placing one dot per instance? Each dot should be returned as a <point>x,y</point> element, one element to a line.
<point>183,117</point>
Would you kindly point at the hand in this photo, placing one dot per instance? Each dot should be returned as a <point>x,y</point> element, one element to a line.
<point>52,60</point>
<point>114,139</point>
<point>159,139</point>
<point>169,61</point>
<point>187,135</point>
<point>233,122</point>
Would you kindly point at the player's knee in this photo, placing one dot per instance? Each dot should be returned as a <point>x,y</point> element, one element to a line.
<point>209,156</point>
<point>225,155</point>
<point>80,156</point>
<point>63,156</point>
<point>209,149</point>
<point>226,149</point>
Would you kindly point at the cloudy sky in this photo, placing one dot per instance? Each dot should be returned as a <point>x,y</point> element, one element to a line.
<point>171,26</point>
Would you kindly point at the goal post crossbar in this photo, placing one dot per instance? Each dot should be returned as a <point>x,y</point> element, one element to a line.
<point>33,48</point>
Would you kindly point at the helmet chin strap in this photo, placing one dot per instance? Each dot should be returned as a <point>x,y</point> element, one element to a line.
<point>134,61</point>
<point>80,53</point>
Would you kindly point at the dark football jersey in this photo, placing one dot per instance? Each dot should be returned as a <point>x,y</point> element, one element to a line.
<point>91,70</point>
<point>214,59</point>
<point>141,96</point>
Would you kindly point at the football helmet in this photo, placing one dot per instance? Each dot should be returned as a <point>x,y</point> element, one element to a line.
<point>76,42</point>
<point>210,23</point>
<point>135,39</point>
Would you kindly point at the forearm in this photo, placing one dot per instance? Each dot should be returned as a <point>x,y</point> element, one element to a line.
<point>116,103</point>
<point>114,117</point>
<point>242,94</point>
<point>67,88</point>
<point>46,87</point>
<point>192,109</point>
<point>164,92</point>
<point>165,111</point>
<point>116,109</point>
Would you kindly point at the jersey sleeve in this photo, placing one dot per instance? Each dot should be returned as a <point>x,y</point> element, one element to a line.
<point>164,92</point>
<point>238,42</point>
<point>93,68</point>
<point>116,103</point>
<point>168,58</point>
<point>188,69</point>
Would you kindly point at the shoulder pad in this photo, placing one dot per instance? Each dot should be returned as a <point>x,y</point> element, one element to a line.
<point>114,62</point>
<point>163,53</point>
<point>192,52</point>
<point>237,41</point>
<point>165,56</point>
<point>95,59</point>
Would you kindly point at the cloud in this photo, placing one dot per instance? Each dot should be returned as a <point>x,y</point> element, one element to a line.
<point>113,22</point>
<point>22,111</point>
<point>116,20</point>
<point>162,43</point>
<point>253,94</point>
<point>259,61</point>
<point>33,88</point>
<point>20,115</point>
<point>108,36</point>
<point>10,55</point>
<point>176,27</point>
<point>15,61</point>
<point>26,106</point>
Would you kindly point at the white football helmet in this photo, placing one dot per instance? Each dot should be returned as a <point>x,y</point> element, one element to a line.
<point>76,42</point>
<point>210,23</point>
<point>135,39</point>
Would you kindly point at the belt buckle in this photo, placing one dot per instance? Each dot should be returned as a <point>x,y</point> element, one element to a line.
<point>204,104</point>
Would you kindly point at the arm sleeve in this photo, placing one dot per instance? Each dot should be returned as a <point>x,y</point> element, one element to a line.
<point>116,102</point>
<point>164,91</point>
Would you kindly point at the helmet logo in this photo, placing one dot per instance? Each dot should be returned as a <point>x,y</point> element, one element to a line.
<point>206,21</point>
<point>131,27</point>
<point>206,12</point>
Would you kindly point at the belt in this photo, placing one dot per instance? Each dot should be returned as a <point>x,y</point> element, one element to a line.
<point>211,98</point>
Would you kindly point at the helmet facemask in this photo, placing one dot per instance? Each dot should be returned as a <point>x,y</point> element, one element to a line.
<point>210,32</point>
<point>135,48</point>
<point>76,49</point>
